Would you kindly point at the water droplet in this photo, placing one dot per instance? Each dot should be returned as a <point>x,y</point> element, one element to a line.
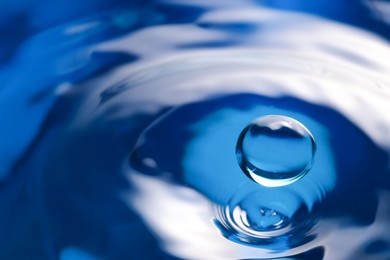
<point>275,150</point>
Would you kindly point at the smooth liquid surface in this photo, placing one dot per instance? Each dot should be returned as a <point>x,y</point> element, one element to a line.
<point>121,121</point>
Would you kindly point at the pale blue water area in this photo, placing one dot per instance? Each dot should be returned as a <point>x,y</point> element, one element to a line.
<point>195,129</point>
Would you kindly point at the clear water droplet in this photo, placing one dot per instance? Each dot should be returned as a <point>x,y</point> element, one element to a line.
<point>275,150</point>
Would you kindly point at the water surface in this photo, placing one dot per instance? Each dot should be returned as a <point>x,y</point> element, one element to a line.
<point>121,124</point>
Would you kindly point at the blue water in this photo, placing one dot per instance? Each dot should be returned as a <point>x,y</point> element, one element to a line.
<point>275,150</point>
<point>120,122</point>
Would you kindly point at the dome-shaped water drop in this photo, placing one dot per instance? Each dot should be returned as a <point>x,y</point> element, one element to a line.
<point>275,150</point>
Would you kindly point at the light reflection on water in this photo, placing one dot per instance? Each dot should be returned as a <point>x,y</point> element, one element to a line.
<point>121,127</point>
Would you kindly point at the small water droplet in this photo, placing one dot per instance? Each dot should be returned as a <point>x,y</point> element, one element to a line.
<point>275,150</point>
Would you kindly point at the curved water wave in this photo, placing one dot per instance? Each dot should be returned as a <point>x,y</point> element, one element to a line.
<point>121,129</point>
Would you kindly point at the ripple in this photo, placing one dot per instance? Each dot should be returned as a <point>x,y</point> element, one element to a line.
<point>265,219</point>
